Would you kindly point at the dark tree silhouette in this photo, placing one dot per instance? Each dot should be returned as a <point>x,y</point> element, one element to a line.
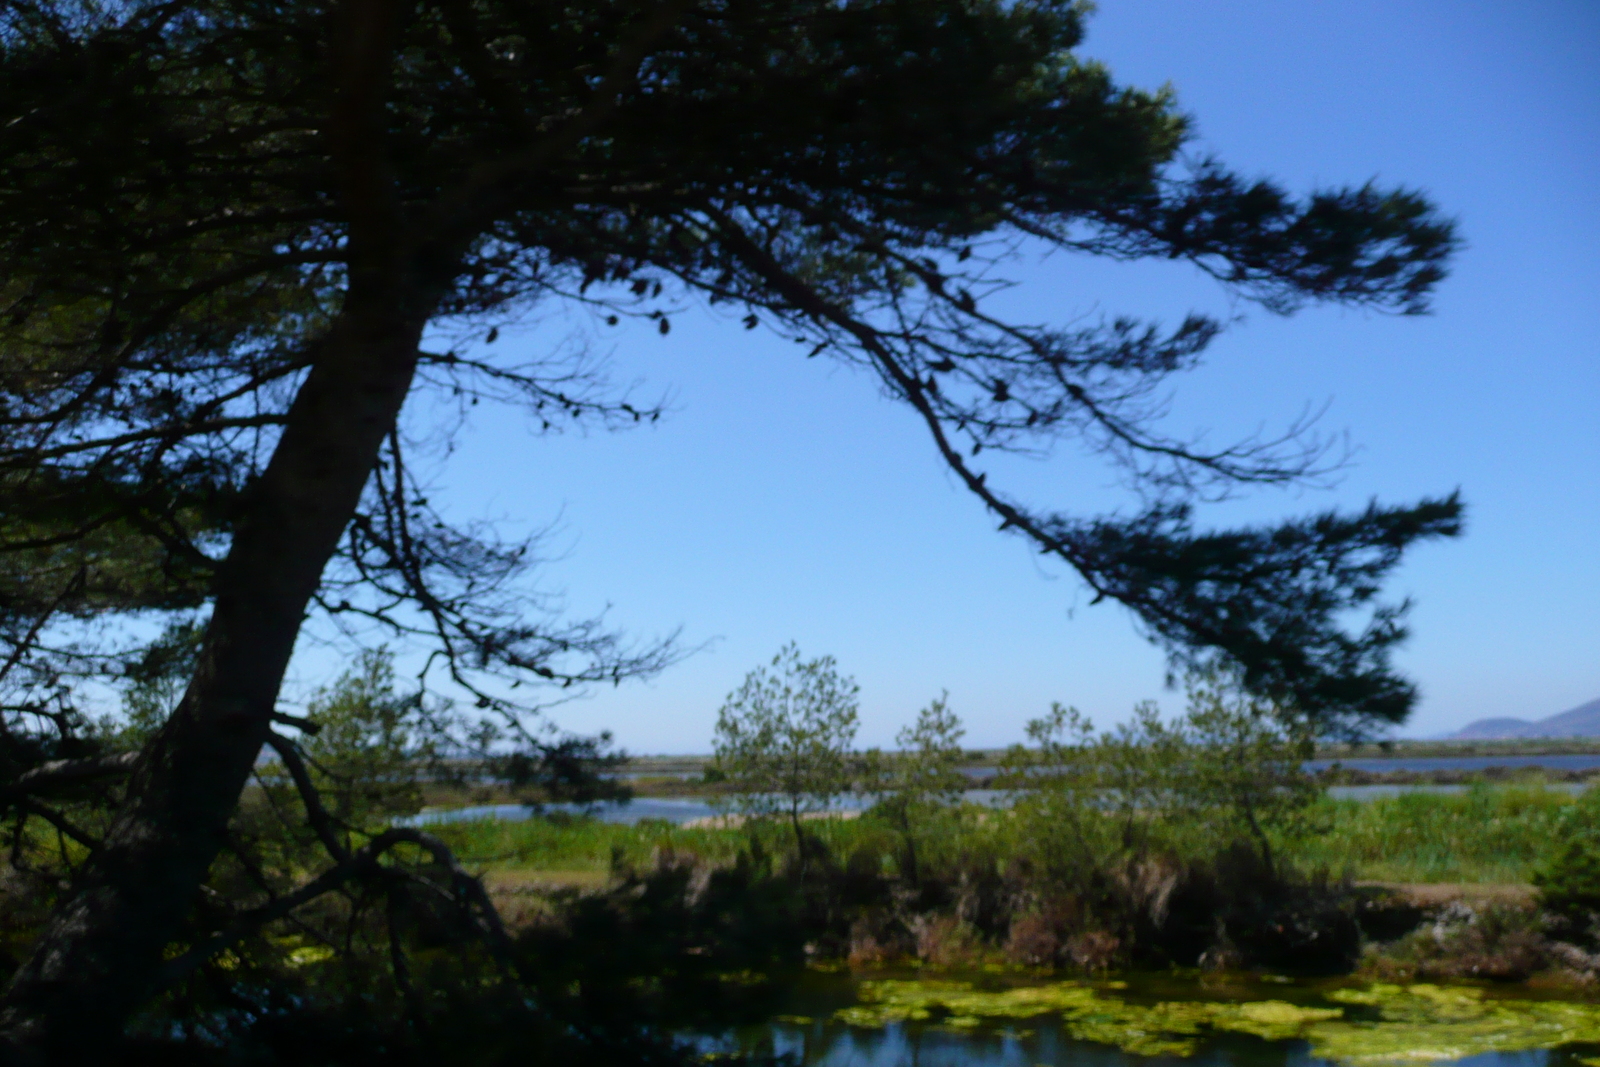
<point>232,231</point>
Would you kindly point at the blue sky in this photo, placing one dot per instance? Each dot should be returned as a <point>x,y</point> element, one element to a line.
<point>783,498</point>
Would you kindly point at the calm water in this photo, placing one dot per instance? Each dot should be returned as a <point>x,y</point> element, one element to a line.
<point>672,809</point>
<point>1460,763</point>
<point>812,1037</point>
<point>687,809</point>
<point>1040,1044</point>
<point>1034,1045</point>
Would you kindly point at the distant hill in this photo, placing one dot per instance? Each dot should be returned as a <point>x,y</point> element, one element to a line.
<point>1581,721</point>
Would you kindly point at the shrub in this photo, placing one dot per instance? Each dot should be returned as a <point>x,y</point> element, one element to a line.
<point>918,789</point>
<point>1568,878</point>
<point>1096,806</point>
<point>1496,942</point>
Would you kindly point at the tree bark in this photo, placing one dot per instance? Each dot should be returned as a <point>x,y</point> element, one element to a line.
<point>100,954</point>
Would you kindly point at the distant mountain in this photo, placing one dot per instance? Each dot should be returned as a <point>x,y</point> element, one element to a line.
<point>1581,721</point>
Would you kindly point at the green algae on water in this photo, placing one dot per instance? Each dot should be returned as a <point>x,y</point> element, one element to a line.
<point>1426,1023</point>
<point>1379,1025</point>
<point>1087,1013</point>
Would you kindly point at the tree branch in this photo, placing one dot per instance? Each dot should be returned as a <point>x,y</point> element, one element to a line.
<point>361,863</point>
<point>60,773</point>
<point>317,815</point>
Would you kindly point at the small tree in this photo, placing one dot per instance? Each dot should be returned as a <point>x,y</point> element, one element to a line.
<point>1247,757</point>
<point>1087,797</point>
<point>783,738</point>
<point>1231,768</point>
<point>921,782</point>
<point>369,746</point>
<point>564,770</point>
<point>1568,874</point>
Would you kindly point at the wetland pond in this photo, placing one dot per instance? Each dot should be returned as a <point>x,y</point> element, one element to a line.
<point>1153,1021</point>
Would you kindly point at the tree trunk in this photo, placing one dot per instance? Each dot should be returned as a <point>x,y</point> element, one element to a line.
<point>98,956</point>
<point>909,834</point>
<point>799,834</point>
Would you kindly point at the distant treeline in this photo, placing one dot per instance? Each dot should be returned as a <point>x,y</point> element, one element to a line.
<point>978,758</point>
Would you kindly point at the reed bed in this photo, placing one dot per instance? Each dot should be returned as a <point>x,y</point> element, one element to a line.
<point>1489,834</point>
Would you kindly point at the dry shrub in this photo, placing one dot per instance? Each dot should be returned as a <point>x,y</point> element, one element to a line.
<point>1094,950</point>
<point>1498,942</point>
<point>1057,933</point>
<point>866,950</point>
<point>1033,940</point>
<point>878,939</point>
<point>1144,888</point>
<point>947,941</point>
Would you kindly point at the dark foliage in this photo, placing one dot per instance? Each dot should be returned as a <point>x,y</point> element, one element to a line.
<point>175,226</point>
<point>568,770</point>
<point>1227,911</point>
<point>237,235</point>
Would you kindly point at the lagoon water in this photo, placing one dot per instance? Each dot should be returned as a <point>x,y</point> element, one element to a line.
<point>671,809</point>
<point>1164,1020</point>
<point>687,809</point>
<point>827,1045</point>
<point>1420,764</point>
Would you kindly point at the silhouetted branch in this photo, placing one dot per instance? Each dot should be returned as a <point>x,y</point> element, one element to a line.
<point>59,774</point>
<point>362,863</point>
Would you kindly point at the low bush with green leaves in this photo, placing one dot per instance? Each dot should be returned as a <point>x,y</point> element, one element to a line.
<point>1230,770</point>
<point>1568,876</point>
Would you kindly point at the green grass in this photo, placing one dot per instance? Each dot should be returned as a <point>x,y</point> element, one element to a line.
<point>577,844</point>
<point>1489,834</point>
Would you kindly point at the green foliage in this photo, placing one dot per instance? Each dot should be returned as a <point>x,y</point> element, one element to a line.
<point>156,681</point>
<point>1569,879</point>
<point>1568,875</point>
<point>1490,834</point>
<point>1486,834</point>
<point>917,789</point>
<point>984,894</point>
<point>581,844</point>
<point>1245,761</point>
<point>783,738</point>
<point>371,746</point>
<point>1230,769</point>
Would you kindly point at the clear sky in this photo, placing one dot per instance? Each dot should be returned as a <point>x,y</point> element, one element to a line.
<point>783,498</point>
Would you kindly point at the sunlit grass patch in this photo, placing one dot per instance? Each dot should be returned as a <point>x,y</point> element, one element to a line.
<point>1487,834</point>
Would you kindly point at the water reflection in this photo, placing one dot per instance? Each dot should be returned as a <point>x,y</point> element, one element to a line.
<point>1162,1020</point>
<point>826,1044</point>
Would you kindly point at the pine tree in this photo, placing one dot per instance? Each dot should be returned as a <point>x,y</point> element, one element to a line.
<point>237,235</point>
